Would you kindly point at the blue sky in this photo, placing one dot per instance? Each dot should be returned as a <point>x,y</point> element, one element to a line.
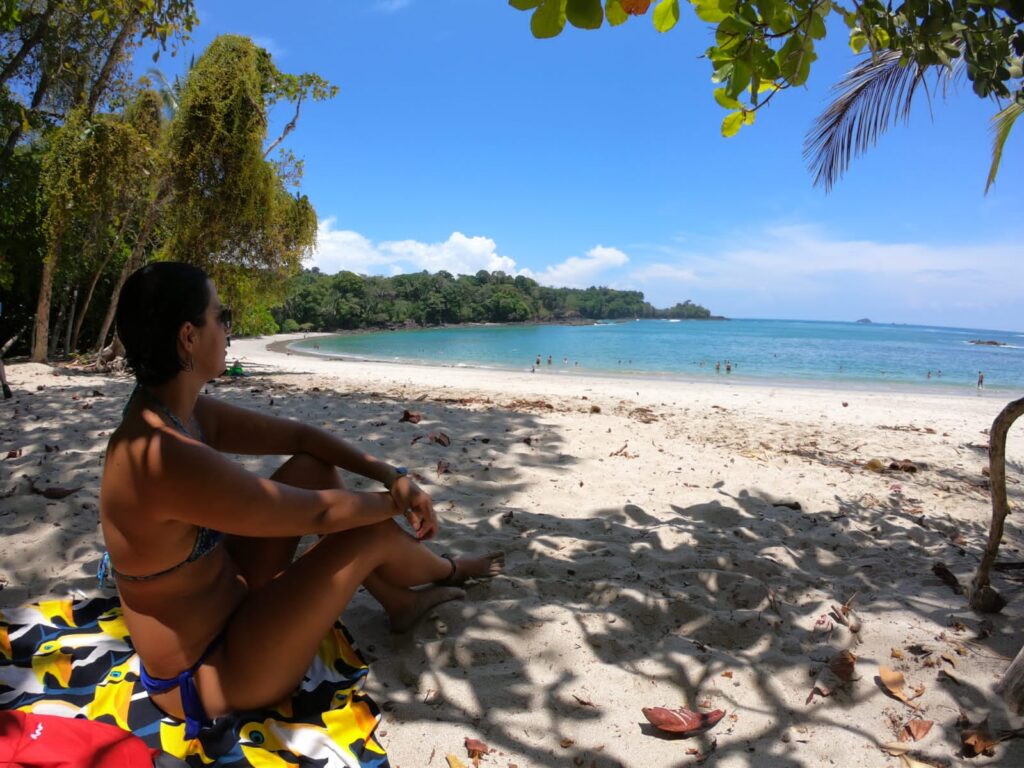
<point>460,142</point>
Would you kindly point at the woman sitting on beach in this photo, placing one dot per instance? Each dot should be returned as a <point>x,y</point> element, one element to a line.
<point>204,552</point>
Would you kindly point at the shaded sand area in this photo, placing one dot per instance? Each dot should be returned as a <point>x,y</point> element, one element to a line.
<point>669,544</point>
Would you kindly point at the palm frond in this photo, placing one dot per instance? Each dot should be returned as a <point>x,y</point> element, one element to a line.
<point>862,111</point>
<point>1002,123</point>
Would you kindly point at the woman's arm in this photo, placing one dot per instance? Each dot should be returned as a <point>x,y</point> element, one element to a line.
<point>232,429</point>
<point>180,479</point>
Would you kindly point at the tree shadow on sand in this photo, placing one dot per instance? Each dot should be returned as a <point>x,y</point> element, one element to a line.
<point>740,588</point>
<point>713,604</point>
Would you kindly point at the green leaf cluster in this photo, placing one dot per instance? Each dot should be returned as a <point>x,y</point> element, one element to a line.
<point>762,47</point>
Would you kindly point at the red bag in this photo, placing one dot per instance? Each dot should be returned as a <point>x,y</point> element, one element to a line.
<point>47,741</point>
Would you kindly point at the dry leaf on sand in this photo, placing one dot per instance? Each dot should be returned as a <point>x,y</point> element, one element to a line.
<point>476,750</point>
<point>842,665</point>
<point>443,467</point>
<point>56,492</point>
<point>892,682</point>
<point>895,748</point>
<point>909,762</point>
<point>454,762</point>
<point>978,740</point>
<point>681,720</point>
<point>411,416</point>
<point>916,729</point>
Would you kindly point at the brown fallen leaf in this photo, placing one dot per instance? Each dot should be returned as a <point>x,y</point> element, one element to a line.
<point>681,720</point>
<point>434,437</point>
<point>583,702</point>
<point>15,454</point>
<point>443,467</point>
<point>476,748</point>
<point>949,659</point>
<point>454,762</point>
<point>978,740</point>
<point>842,665</point>
<point>411,416</point>
<point>896,653</point>
<point>892,682</point>
<point>566,743</point>
<point>727,673</point>
<point>915,729</point>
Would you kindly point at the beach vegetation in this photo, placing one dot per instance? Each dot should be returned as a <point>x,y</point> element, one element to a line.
<point>101,174</point>
<point>764,47</point>
<point>348,301</point>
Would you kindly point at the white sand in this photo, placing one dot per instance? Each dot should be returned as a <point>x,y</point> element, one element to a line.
<point>647,562</point>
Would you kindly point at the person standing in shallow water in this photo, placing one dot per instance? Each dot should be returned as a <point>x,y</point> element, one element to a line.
<point>203,551</point>
<point>981,380</point>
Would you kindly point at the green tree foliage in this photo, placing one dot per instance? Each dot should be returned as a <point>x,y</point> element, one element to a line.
<point>347,301</point>
<point>764,47</point>
<point>88,196</point>
<point>250,243</point>
<point>93,176</point>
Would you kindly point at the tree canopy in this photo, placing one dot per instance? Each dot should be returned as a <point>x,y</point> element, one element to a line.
<point>99,175</point>
<point>764,47</point>
<point>320,302</point>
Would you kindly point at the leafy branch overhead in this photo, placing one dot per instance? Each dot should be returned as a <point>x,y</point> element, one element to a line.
<point>763,47</point>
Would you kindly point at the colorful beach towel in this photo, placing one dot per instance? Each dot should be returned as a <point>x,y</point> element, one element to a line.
<point>75,659</point>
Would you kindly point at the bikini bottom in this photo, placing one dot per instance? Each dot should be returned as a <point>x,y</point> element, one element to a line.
<point>195,714</point>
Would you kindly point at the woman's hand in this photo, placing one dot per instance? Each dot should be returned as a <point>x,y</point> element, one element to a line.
<point>413,502</point>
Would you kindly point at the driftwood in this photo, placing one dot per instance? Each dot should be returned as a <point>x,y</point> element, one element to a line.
<point>983,597</point>
<point>1011,687</point>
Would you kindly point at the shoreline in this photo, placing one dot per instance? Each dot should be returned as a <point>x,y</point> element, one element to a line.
<point>284,348</point>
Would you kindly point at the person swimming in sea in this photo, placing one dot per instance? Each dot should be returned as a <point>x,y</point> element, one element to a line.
<point>202,551</point>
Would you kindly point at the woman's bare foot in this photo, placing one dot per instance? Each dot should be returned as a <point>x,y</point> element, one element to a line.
<point>465,568</point>
<point>419,602</point>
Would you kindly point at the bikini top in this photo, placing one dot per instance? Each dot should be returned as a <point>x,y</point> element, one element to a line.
<point>207,539</point>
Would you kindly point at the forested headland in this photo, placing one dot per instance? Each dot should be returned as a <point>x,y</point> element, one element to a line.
<point>346,301</point>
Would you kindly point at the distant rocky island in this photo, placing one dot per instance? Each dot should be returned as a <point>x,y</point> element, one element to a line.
<point>988,343</point>
<point>864,321</point>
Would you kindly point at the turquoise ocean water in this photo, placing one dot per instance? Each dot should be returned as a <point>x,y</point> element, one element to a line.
<point>782,351</point>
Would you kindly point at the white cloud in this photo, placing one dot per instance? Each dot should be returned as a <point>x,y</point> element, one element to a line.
<point>339,249</point>
<point>802,272</point>
<point>581,271</point>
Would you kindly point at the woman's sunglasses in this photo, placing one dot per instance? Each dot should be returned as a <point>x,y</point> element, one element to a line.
<point>224,318</point>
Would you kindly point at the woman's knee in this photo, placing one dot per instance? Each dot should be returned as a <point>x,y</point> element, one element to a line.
<point>305,471</point>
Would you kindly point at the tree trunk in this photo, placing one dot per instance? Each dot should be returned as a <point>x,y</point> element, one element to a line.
<point>1011,686</point>
<point>10,342</point>
<point>132,263</point>
<point>115,53</point>
<point>42,332</point>
<point>31,42</point>
<point>57,331</point>
<point>80,318</point>
<point>983,597</point>
<point>71,314</point>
